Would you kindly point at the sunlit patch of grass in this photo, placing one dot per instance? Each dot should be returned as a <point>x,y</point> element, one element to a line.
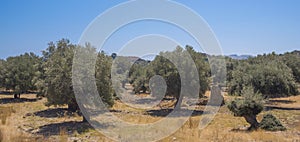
<point>63,135</point>
<point>5,112</point>
<point>9,133</point>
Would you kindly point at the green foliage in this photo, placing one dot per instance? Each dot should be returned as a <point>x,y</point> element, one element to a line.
<point>168,66</point>
<point>120,67</point>
<point>293,62</point>
<point>271,123</point>
<point>17,73</point>
<point>203,68</point>
<point>164,67</point>
<point>2,77</point>
<point>58,74</point>
<point>250,104</point>
<point>39,78</point>
<point>231,65</point>
<point>139,76</point>
<point>267,74</point>
<point>103,79</point>
<point>57,78</point>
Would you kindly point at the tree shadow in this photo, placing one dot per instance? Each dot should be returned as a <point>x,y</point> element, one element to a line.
<point>6,93</point>
<point>280,101</point>
<point>146,101</point>
<point>267,108</point>
<point>242,130</point>
<point>168,99</point>
<point>166,112</point>
<point>66,127</point>
<point>19,100</point>
<point>53,113</point>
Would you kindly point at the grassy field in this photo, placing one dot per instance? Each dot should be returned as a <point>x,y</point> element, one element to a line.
<point>28,119</point>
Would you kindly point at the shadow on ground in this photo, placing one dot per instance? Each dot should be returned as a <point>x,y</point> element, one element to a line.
<point>12,100</point>
<point>280,101</point>
<point>65,127</point>
<point>53,113</point>
<point>68,128</point>
<point>6,93</point>
<point>166,112</point>
<point>242,130</point>
<point>267,108</point>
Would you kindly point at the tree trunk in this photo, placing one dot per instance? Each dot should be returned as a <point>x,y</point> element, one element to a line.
<point>178,103</point>
<point>17,96</point>
<point>85,118</point>
<point>73,107</point>
<point>251,119</point>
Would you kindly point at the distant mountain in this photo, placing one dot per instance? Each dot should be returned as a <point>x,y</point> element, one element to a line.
<point>297,52</point>
<point>134,59</point>
<point>240,57</point>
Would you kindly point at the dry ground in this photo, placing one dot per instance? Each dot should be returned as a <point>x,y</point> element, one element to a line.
<point>28,119</point>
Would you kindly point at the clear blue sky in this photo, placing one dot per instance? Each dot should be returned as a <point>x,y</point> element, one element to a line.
<point>242,26</point>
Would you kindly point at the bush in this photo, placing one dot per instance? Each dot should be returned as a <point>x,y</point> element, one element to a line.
<point>271,123</point>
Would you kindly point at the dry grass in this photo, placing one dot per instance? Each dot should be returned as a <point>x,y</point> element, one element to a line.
<point>10,133</point>
<point>63,135</point>
<point>225,127</point>
<point>20,124</point>
<point>5,112</point>
<point>1,136</point>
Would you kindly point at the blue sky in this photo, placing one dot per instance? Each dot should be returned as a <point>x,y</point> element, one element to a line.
<point>242,27</point>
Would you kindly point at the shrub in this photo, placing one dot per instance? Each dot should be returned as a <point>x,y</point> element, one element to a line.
<point>271,123</point>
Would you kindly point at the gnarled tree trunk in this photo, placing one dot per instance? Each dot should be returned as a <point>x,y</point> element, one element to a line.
<point>251,119</point>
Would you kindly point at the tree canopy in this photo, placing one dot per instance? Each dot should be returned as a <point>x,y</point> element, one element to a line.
<point>17,73</point>
<point>250,105</point>
<point>56,83</point>
<point>170,65</point>
<point>268,74</point>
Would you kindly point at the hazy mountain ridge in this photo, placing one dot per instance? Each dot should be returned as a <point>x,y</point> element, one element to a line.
<point>239,57</point>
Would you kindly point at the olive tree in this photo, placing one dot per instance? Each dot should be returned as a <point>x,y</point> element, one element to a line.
<point>164,66</point>
<point>293,62</point>
<point>249,106</point>
<point>57,78</point>
<point>17,73</point>
<point>268,75</point>
<point>103,78</point>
